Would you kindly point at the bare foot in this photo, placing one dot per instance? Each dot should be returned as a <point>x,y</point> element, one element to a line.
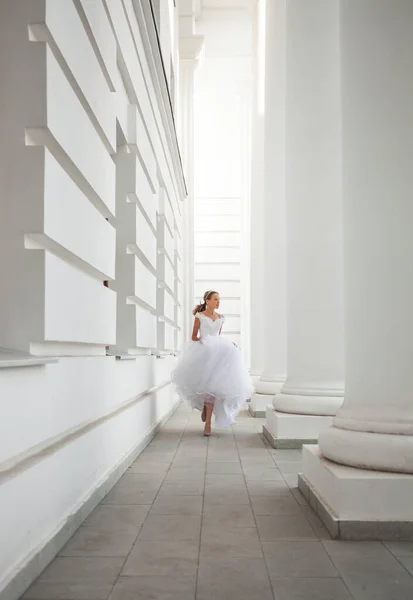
<point>207,431</point>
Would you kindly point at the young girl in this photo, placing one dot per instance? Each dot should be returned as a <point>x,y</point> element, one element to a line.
<point>210,374</point>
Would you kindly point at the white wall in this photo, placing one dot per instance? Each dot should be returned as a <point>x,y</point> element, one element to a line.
<point>91,194</point>
<point>222,145</point>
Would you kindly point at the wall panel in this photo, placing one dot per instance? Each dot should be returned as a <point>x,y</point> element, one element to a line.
<point>72,221</point>
<point>87,140</point>
<point>96,21</point>
<point>145,284</point>
<point>65,25</point>
<point>145,238</point>
<point>71,127</point>
<point>145,329</point>
<point>169,307</point>
<point>78,308</point>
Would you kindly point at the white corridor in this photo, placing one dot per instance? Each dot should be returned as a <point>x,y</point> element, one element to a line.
<point>217,519</point>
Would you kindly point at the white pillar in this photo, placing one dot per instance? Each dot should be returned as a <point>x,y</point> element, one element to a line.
<point>374,428</point>
<point>256,213</point>
<point>274,276</point>
<point>314,389</point>
<point>244,106</point>
<point>191,48</point>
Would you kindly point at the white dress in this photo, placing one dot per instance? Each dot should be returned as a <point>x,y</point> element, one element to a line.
<point>212,370</point>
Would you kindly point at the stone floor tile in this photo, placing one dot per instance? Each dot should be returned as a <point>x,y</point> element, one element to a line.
<point>407,562</point>
<point>168,528</point>
<point>120,519</point>
<point>291,479</point>
<point>227,543</point>
<point>163,559</point>
<point>154,588</point>
<point>149,481</point>
<point>183,474</point>
<point>158,459</point>
<point>216,457</point>
<point>262,474</point>
<point>76,578</point>
<point>267,488</point>
<point>223,467</point>
<point>298,559</point>
<point>284,528</point>
<point>289,466</point>
<point>253,453</point>
<point>225,479</point>
<point>166,504</point>
<point>82,568</point>
<point>183,487</point>
<point>314,588</point>
<point>218,488</point>
<point>257,461</point>
<point>316,523</point>
<point>231,516</point>
<point>169,448</point>
<point>233,579</point>
<point>228,497</point>
<point>189,462</point>
<point>194,455</point>
<point>400,548</point>
<point>341,549</point>
<point>130,495</point>
<point>278,505</point>
<point>223,440</point>
<point>247,441</point>
<point>158,456</point>
<point>143,466</point>
<point>299,497</point>
<point>286,455</point>
<point>88,542</point>
<point>219,456</point>
<point>67,590</point>
<point>378,577</point>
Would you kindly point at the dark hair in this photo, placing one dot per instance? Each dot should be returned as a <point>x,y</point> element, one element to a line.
<point>202,305</point>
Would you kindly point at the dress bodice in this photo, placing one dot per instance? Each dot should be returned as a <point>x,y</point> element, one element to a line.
<point>209,326</point>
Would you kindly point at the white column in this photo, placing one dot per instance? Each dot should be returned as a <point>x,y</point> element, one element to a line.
<point>314,389</point>
<point>191,50</point>
<point>256,213</point>
<point>244,106</point>
<point>274,278</point>
<point>374,428</point>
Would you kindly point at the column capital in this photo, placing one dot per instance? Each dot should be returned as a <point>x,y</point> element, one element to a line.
<point>191,48</point>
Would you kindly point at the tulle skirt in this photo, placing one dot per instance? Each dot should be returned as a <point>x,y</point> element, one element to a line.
<point>212,370</point>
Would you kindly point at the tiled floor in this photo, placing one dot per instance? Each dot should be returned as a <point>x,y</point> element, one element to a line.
<point>217,519</point>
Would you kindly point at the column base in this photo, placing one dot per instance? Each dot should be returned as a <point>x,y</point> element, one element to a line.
<point>307,404</point>
<point>357,504</point>
<point>367,450</point>
<point>265,390</point>
<point>258,404</point>
<point>287,430</point>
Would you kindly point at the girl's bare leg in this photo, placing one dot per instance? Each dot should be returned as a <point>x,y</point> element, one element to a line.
<point>203,415</point>
<point>209,408</point>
